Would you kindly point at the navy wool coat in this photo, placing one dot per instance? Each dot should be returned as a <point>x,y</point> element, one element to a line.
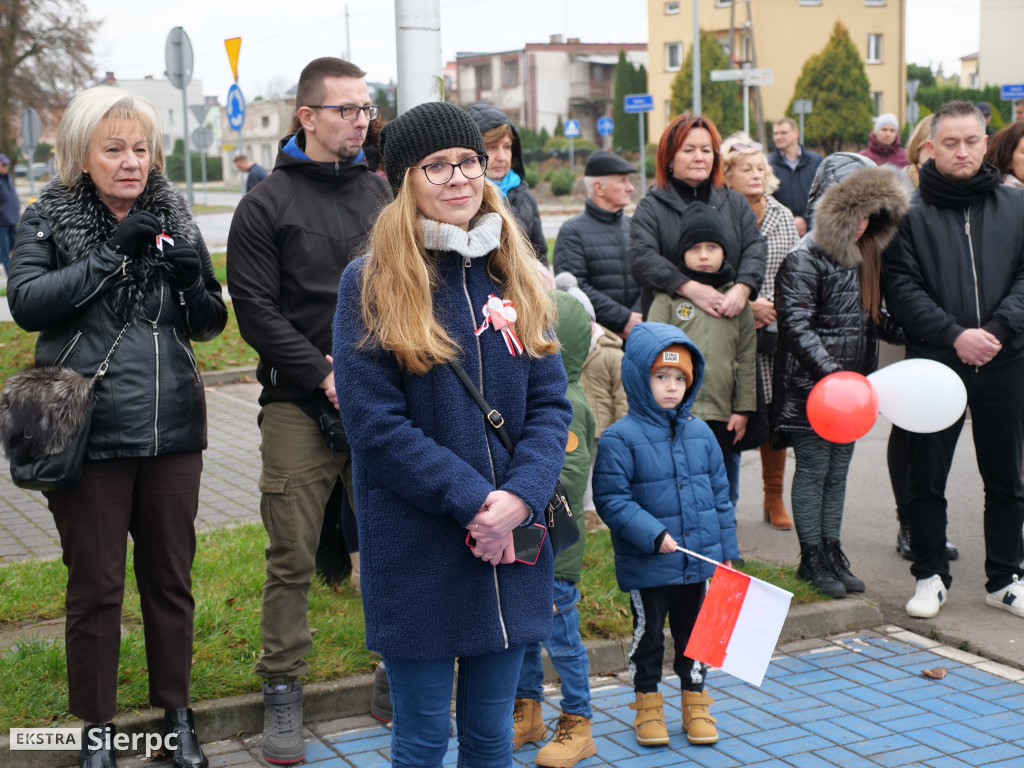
<point>424,461</point>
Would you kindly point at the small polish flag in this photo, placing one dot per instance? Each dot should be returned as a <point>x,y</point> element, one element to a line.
<point>738,624</point>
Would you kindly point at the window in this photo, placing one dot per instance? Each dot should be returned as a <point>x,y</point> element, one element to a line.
<point>874,49</point>
<point>975,81</point>
<point>876,99</point>
<point>510,73</point>
<point>810,2</point>
<point>723,3</point>
<point>874,2</point>
<point>264,122</point>
<point>170,117</point>
<point>673,57</point>
<point>483,77</point>
<point>671,8</point>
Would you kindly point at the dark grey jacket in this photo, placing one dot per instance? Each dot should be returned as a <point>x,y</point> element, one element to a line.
<point>794,185</point>
<point>592,246</point>
<point>654,254</point>
<point>63,277</point>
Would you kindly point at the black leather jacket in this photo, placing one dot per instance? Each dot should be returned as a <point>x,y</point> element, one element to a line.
<point>151,401</point>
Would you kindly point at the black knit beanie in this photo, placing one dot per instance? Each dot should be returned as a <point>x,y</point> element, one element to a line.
<point>424,129</point>
<point>701,224</point>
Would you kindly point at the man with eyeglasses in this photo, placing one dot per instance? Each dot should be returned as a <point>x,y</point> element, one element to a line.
<point>795,165</point>
<point>290,239</point>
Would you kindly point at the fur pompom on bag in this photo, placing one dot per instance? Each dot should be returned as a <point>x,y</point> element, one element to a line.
<point>42,409</point>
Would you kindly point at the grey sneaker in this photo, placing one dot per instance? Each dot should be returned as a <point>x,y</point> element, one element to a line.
<point>380,702</point>
<point>282,723</point>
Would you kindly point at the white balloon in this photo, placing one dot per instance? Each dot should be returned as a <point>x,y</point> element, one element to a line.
<point>919,395</point>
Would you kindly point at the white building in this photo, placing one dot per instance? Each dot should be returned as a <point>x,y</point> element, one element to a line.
<point>167,100</point>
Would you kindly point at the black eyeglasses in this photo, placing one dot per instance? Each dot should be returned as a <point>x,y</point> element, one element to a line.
<point>350,111</point>
<point>472,167</point>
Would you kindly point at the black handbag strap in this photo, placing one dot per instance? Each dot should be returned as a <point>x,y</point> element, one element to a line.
<point>494,418</point>
<point>105,365</point>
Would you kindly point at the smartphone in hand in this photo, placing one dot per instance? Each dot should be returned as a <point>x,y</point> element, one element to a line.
<point>528,542</point>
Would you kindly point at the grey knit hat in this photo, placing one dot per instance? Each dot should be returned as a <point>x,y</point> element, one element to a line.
<point>424,129</point>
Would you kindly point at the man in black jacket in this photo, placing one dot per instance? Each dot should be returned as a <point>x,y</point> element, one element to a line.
<point>955,282</point>
<point>795,165</point>
<point>592,245</point>
<point>291,237</point>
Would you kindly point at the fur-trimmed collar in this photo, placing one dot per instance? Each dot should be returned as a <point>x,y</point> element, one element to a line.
<point>876,192</point>
<point>81,222</point>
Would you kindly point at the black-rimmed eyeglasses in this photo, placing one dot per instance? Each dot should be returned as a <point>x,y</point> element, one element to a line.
<point>350,111</point>
<point>472,167</point>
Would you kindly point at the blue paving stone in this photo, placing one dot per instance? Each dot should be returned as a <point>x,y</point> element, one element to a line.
<point>820,712</point>
<point>799,704</point>
<point>844,701</point>
<point>612,752</point>
<point>1002,719</point>
<point>865,728</point>
<point>790,665</point>
<point>886,670</point>
<point>873,697</point>
<point>759,718</point>
<point>828,729</point>
<point>317,750</point>
<point>917,686</point>
<point>739,750</point>
<point>334,762</point>
<point>751,695</point>
<point>1011,734</point>
<point>789,747</point>
<point>361,740</point>
<point>841,756</point>
<point>974,704</point>
<point>729,724</point>
<point>891,716</point>
<point>1008,694</point>
<point>881,744</point>
<point>709,757</point>
<point>371,760</point>
<point>908,756</point>
<point>832,683</point>
<point>808,678</point>
<point>994,753</point>
<point>661,758</point>
<point>947,761</point>
<point>773,736</point>
<point>968,678</point>
<point>808,760</point>
<point>859,675</point>
<point>923,720</point>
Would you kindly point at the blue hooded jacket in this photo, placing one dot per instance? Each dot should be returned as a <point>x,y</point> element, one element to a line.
<point>662,470</point>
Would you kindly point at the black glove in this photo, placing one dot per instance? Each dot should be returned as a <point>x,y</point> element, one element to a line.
<point>185,261</point>
<point>134,231</point>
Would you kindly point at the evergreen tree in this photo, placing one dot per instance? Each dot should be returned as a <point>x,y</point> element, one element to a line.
<point>624,137</point>
<point>835,81</point>
<point>720,101</point>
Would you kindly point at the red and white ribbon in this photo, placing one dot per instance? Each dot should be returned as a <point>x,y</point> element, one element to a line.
<point>501,315</point>
<point>162,238</point>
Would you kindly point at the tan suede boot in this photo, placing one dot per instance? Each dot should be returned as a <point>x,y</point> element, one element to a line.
<point>572,743</point>
<point>354,577</point>
<point>697,721</point>
<point>527,723</point>
<point>650,720</point>
<point>773,470</point>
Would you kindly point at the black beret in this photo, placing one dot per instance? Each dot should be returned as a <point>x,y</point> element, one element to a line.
<point>423,130</point>
<point>603,163</point>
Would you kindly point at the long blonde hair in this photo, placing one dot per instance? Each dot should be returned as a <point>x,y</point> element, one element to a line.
<point>399,278</point>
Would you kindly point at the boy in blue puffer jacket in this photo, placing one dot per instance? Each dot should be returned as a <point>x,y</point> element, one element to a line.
<point>660,485</point>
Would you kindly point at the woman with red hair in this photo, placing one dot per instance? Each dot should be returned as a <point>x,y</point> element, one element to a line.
<point>689,169</point>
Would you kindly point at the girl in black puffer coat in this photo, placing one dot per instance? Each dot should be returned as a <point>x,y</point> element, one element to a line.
<point>827,297</point>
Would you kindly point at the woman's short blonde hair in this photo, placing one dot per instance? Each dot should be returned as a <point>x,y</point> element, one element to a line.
<point>84,115</point>
<point>918,139</point>
<point>738,147</point>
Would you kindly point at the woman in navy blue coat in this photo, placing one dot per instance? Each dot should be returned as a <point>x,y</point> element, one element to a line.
<point>427,468</point>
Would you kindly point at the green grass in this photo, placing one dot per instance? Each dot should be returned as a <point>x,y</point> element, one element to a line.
<point>227,583</point>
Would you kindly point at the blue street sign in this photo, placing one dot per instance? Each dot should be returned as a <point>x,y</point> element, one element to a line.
<point>236,107</point>
<point>1011,92</point>
<point>572,129</point>
<point>639,102</point>
<point>605,126</point>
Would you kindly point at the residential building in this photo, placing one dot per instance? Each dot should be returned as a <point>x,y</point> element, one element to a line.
<point>542,83</point>
<point>266,123</point>
<point>969,75</point>
<point>999,60</point>
<point>167,100</point>
<point>784,34</point>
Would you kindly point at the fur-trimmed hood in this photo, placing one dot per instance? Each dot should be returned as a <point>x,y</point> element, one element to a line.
<point>845,188</point>
<point>81,222</point>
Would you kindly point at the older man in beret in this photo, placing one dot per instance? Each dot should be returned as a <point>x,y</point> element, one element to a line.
<point>592,246</point>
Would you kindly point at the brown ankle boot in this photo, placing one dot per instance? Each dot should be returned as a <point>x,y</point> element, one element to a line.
<point>773,470</point>
<point>650,720</point>
<point>527,723</point>
<point>572,743</point>
<point>697,721</point>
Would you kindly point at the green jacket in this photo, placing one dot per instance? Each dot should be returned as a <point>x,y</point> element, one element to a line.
<point>573,330</point>
<point>729,347</point>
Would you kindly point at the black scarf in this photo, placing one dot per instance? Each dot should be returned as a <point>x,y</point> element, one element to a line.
<point>938,190</point>
<point>701,192</point>
<point>725,274</point>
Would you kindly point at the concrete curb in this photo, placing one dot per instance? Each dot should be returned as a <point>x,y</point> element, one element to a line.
<point>229,717</point>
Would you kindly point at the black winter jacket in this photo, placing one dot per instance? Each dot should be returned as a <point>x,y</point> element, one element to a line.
<point>520,199</point>
<point>823,326</point>
<point>655,230</point>
<point>63,279</point>
<point>794,185</point>
<point>952,269</point>
<point>290,240</point>
<point>592,246</point>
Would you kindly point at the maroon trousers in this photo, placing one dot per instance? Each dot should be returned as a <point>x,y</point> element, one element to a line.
<point>155,500</point>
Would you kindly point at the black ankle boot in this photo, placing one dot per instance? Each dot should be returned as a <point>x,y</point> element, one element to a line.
<point>814,568</point>
<point>840,565</point>
<point>188,753</point>
<point>98,747</point>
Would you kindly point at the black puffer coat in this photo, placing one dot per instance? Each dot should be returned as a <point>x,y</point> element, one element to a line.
<point>520,199</point>
<point>655,257</point>
<point>592,246</point>
<point>823,326</point>
<point>63,280</point>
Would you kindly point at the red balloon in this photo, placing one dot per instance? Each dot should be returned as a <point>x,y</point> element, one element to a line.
<point>842,407</point>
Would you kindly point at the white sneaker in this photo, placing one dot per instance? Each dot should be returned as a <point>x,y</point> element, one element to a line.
<point>930,596</point>
<point>1009,598</point>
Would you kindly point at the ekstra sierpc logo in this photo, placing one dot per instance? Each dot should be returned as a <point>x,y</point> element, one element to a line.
<point>46,739</point>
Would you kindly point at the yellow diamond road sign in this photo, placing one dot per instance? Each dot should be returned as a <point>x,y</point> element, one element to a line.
<point>233,44</point>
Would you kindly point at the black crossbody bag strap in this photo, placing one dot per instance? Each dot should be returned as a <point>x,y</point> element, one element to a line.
<point>494,418</point>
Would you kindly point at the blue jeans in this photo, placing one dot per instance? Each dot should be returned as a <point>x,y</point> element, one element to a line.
<point>732,471</point>
<point>565,647</point>
<point>421,694</point>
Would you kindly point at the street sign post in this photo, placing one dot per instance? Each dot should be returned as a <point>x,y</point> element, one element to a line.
<point>236,102</point>
<point>571,129</point>
<point>30,130</point>
<point>605,127</point>
<point>802,107</point>
<point>202,138</point>
<point>179,60</point>
<point>748,77</point>
<point>637,104</point>
<point>1011,92</point>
